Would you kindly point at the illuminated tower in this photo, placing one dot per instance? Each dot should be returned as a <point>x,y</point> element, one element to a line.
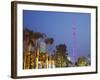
<point>74,38</point>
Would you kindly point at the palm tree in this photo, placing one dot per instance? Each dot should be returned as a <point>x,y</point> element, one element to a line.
<point>36,36</point>
<point>26,47</point>
<point>48,41</point>
<point>31,38</point>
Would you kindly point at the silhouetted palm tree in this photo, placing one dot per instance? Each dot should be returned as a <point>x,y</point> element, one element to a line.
<point>36,36</point>
<point>26,43</point>
<point>49,41</point>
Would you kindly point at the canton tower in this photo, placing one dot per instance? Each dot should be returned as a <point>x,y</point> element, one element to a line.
<point>74,44</point>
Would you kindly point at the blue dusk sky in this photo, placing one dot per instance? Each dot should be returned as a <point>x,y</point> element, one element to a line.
<point>70,28</point>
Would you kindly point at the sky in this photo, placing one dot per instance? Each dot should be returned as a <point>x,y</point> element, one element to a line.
<point>61,26</point>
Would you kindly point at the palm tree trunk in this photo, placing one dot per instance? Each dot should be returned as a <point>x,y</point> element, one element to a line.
<point>47,62</point>
<point>29,60</point>
<point>37,57</point>
<point>24,61</point>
